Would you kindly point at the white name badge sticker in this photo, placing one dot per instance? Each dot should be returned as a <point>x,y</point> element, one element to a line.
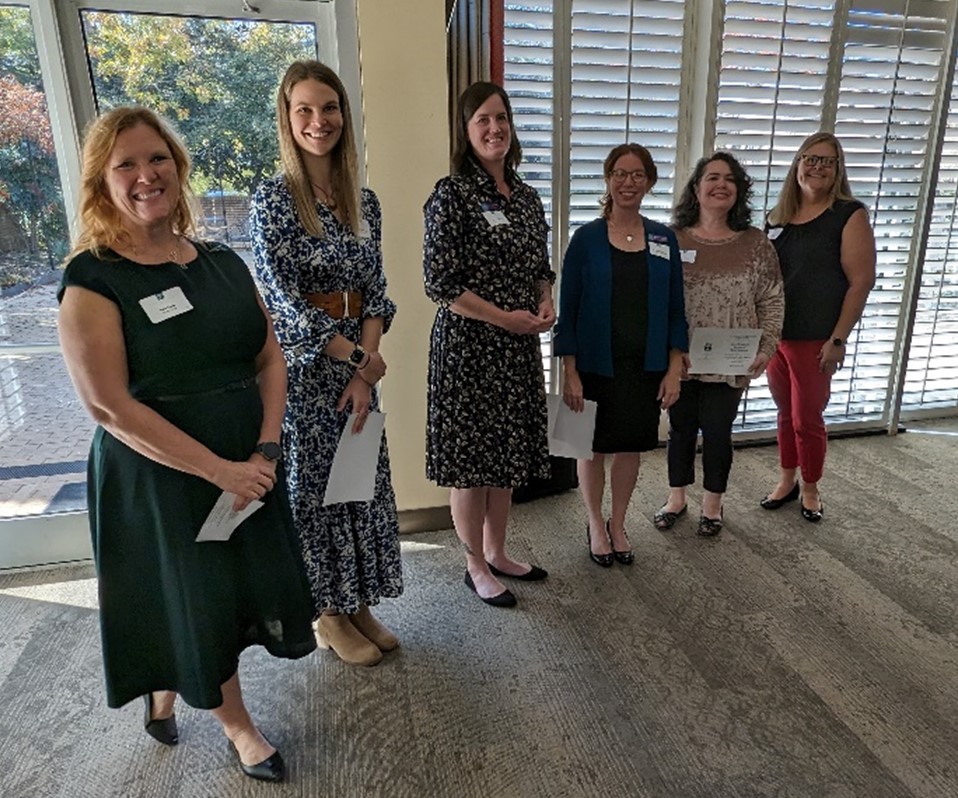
<point>495,218</point>
<point>688,255</point>
<point>774,232</point>
<point>364,229</point>
<point>659,250</point>
<point>166,304</point>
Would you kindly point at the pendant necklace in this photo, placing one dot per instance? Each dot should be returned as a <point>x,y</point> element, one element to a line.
<point>326,199</point>
<point>175,254</point>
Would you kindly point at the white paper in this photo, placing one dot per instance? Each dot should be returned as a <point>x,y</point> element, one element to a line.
<point>688,255</point>
<point>353,475</point>
<point>570,433</point>
<point>717,351</point>
<point>223,520</point>
<point>659,250</point>
<point>166,304</point>
<point>774,232</point>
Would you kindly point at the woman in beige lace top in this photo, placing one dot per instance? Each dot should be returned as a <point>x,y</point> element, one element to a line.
<point>732,280</point>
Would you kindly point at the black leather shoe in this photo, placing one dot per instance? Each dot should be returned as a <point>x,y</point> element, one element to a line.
<point>503,599</point>
<point>604,560</point>
<point>813,515</point>
<point>534,574</point>
<point>626,557</point>
<point>663,519</point>
<point>271,769</point>
<point>709,527</point>
<point>774,504</point>
<point>162,730</point>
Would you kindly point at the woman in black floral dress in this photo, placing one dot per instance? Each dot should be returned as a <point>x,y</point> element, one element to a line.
<point>486,264</point>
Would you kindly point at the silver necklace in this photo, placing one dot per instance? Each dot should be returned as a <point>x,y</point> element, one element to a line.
<point>327,198</point>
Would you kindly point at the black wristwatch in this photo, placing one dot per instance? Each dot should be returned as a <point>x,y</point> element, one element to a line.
<point>837,342</point>
<point>356,357</point>
<point>271,450</point>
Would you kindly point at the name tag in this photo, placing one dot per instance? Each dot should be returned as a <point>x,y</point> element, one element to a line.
<point>166,304</point>
<point>493,213</point>
<point>774,232</point>
<point>688,255</point>
<point>659,250</point>
<point>364,229</point>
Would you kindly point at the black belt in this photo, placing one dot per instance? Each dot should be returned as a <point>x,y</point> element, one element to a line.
<point>239,385</point>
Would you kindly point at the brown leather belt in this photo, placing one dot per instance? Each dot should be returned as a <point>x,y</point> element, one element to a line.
<point>338,304</point>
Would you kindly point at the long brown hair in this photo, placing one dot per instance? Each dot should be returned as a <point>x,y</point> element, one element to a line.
<point>344,172</point>
<point>790,199</point>
<point>469,102</point>
<point>101,224</point>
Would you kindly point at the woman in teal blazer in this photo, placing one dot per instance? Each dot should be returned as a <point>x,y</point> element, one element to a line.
<point>622,337</point>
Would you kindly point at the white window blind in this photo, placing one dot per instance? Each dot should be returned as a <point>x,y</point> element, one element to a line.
<point>626,77</point>
<point>772,79</point>
<point>892,62</point>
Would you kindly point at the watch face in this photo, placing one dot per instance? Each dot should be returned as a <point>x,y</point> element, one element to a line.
<point>270,450</point>
<point>357,356</point>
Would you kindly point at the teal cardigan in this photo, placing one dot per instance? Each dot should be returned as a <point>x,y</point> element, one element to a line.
<point>584,328</point>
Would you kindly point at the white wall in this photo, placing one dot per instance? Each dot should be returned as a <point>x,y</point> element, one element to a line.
<point>403,71</point>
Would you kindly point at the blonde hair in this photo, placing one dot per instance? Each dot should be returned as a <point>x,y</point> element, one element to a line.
<point>344,172</point>
<point>790,199</point>
<point>101,225</point>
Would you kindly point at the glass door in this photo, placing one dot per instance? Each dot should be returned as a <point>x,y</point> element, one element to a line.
<point>214,76</point>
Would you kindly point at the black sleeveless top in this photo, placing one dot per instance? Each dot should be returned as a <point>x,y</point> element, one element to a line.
<point>815,284</point>
<point>630,307</point>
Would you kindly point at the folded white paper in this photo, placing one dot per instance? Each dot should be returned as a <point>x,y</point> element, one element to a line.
<point>570,433</point>
<point>223,519</point>
<point>352,477</point>
<point>717,351</point>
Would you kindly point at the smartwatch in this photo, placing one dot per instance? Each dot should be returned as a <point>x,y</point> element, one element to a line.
<point>837,342</point>
<point>356,357</point>
<point>271,450</point>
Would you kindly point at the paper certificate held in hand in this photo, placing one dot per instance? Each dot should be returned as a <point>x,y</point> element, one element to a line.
<point>352,477</point>
<point>717,351</point>
<point>223,519</point>
<point>570,433</point>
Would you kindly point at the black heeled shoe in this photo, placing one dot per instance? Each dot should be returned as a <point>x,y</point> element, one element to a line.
<point>273,768</point>
<point>626,557</point>
<point>774,504</point>
<point>163,730</point>
<point>603,560</point>
<point>503,599</point>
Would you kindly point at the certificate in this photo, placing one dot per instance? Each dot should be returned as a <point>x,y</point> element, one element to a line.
<point>352,477</point>
<point>223,519</point>
<point>717,351</point>
<point>570,433</point>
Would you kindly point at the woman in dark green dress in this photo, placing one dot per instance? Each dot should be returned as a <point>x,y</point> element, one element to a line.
<point>173,355</point>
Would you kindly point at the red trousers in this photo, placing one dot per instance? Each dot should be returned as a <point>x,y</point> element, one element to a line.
<point>801,394</point>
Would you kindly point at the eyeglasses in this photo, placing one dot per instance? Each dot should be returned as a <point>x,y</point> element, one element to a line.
<point>827,161</point>
<point>619,175</point>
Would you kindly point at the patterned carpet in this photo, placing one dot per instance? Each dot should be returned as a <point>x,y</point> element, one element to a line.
<point>783,659</point>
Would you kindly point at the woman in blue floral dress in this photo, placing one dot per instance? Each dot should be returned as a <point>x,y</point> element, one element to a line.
<point>317,249</point>
<point>487,265</point>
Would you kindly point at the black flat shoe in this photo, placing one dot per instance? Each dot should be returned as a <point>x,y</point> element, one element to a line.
<point>813,515</point>
<point>163,730</point>
<point>774,504</point>
<point>626,557</point>
<point>271,769</point>
<point>603,560</point>
<point>709,527</point>
<point>663,519</point>
<point>534,574</point>
<point>503,599</point>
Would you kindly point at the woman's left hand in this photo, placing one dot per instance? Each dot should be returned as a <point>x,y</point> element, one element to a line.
<point>357,396</point>
<point>758,365</point>
<point>830,357</point>
<point>669,389</point>
<point>547,314</point>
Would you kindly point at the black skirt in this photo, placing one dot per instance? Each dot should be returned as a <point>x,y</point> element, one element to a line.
<point>627,417</point>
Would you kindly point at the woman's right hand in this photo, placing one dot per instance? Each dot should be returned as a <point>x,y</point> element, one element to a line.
<point>374,370</point>
<point>572,390</point>
<point>248,480</point>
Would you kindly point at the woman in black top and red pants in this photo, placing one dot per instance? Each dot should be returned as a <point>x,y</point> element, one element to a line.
<point>826,249</point>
